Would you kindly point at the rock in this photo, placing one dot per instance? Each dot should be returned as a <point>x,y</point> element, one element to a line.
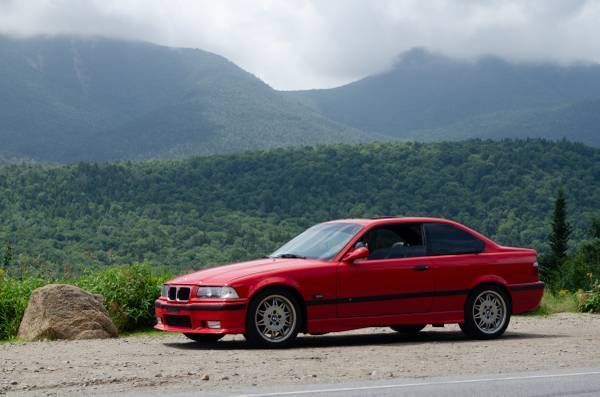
<point>59,311</point>
<point>205,377</point>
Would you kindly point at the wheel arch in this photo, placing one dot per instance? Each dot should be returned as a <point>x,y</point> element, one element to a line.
<point>282,285</point>
<point>493,282</point>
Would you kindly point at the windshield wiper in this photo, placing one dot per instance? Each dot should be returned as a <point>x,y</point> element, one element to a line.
<point>290,256</point>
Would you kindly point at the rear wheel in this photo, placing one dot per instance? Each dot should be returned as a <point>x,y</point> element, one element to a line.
<point>204,338</point>
<point>274,319</point>
<point>487,313</point>
<point>408,329</point>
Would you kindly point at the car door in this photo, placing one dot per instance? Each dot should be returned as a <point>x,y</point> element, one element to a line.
<point>455,259</point>
<point>393,280</point>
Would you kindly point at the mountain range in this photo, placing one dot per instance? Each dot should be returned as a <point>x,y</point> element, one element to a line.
<point>70,99</point>
<point>429,97</point>
<point>76,99</point>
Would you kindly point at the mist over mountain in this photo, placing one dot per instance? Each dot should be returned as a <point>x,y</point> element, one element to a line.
<point>431,97</point>
<point>75,99</point>
<point>69,99</point>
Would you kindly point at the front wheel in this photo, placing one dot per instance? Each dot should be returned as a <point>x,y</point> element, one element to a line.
<point>204,338</point>
<point>487,313</point>
<point>274,319</point>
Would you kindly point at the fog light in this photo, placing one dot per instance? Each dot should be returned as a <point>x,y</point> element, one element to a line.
<point>213,324</point>
<point>158,320</point>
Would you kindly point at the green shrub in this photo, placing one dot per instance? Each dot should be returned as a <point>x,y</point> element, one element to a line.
<point>580,270</point>
<point>589,301</point>
<point>129,293</point>
<point>14,296</point>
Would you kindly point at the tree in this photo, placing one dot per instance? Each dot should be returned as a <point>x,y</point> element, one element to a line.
<point>561,230</point>
<point>8,256</point>
<point>595,232</point>
<point>559,238</point>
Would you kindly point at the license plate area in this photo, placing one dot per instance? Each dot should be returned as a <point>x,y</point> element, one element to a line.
<point>178,321</point>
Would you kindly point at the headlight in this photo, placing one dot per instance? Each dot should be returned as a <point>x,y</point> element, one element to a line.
<point>164,290</point>
<point>217,292</point>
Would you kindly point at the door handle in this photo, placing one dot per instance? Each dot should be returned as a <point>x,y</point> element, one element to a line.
<point>421,268</point>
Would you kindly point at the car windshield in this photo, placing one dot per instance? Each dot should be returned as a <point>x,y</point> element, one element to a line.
<point>322,241</point>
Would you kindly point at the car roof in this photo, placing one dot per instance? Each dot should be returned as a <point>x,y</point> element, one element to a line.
<point>384,220</point>
<point>368,222</point>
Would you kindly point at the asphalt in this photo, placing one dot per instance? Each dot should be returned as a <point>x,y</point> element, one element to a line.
<point>568,382</point>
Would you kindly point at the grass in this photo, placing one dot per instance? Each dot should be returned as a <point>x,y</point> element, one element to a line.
<point>562,302</point>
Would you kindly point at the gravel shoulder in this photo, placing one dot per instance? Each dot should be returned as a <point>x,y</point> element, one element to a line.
<point>171,361</point>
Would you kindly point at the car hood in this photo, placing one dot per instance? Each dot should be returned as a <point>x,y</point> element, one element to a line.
<point>224,275</point>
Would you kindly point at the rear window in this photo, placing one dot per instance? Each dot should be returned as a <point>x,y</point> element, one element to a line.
<point>444,239</point>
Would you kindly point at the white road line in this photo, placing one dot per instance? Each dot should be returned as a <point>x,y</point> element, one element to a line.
<point>404,385</point>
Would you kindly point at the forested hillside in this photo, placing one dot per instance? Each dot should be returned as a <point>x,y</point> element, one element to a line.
<point>68,99</point>
<point>429,97</point>
<point>579,121</point>
<point>203,211</point>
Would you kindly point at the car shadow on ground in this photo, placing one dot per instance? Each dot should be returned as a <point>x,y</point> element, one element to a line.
<point>340,340</point>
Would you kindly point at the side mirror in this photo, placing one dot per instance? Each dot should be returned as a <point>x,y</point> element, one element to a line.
<point>358,253</point>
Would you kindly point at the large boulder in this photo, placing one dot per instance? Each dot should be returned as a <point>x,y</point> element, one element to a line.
<point>59,311</point>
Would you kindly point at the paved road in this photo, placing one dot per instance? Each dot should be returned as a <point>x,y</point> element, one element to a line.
<point>580,382</point>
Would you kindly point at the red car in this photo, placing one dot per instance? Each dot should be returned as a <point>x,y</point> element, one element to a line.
<point>403,273</point>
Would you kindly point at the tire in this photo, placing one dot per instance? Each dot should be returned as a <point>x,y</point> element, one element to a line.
<point>204,338</point>
<point>273,320</point>
<point>487,313</point>
<point>408,329</point>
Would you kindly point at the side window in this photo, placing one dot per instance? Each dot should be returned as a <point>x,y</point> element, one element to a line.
<point>394,241</point>
<point>444,239</point>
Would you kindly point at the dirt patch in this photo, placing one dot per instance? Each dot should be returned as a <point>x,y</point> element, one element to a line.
<point>171,360</point>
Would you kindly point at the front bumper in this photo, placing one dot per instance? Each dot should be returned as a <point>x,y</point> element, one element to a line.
<point>194,318</point>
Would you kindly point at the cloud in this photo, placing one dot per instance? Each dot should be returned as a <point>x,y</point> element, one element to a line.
<point>323,43</point>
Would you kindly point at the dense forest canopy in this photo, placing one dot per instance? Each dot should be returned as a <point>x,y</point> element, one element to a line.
<point>203,211</point>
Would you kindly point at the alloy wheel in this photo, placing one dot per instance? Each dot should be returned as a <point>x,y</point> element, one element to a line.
<point>489,311</point>
<point>275,318</point>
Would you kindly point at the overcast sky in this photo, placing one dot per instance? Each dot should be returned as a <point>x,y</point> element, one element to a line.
<point>294,44</point>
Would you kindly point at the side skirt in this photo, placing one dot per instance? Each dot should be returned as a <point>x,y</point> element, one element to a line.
<point>318,326</point>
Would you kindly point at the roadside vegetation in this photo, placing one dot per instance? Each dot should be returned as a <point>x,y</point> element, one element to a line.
<point>129,292</point>
<point>572,277</point>
<point>552,303</point>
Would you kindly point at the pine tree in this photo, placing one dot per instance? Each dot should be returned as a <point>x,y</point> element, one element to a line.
<point>559,237</point>
<point>595,229</point>
<point>561,230</point>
